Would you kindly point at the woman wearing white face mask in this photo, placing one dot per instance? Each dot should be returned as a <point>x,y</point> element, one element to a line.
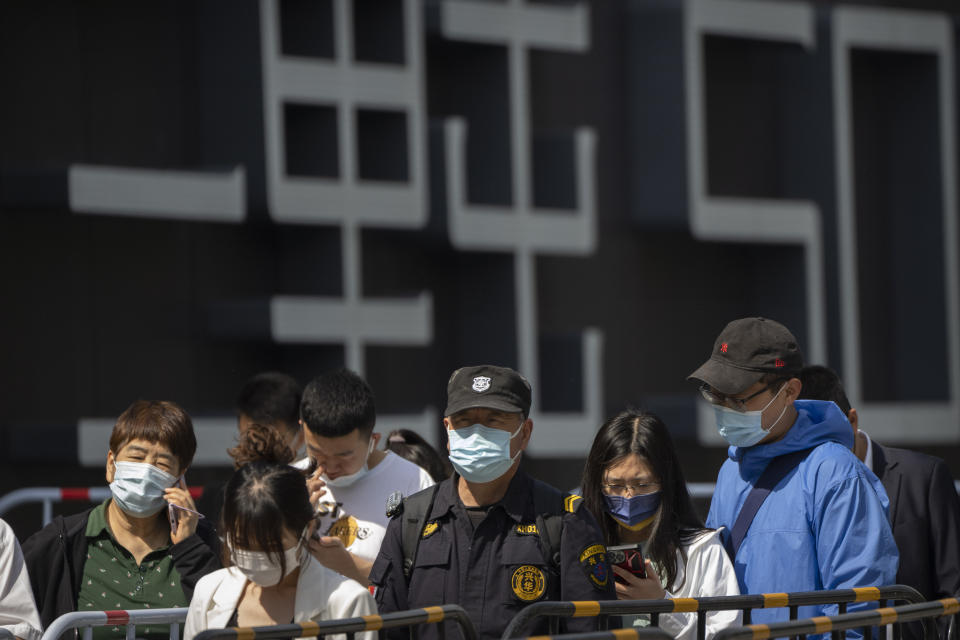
<point>266,520</point>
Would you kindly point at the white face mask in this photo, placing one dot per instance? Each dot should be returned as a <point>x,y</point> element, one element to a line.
<point>260,568</point>
<point>347,480</point>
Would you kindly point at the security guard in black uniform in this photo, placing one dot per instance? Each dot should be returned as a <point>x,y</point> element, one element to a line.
<point>491,538</point>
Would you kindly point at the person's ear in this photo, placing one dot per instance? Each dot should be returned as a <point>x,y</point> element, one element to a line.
<point>111,466</point>
<point>526,433</point>
<point>793,389</point>
<point>854,420</point>
<point>447,425</point>
<point>376,439</point>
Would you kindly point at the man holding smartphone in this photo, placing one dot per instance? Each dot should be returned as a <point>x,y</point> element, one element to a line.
<point>350,478</point>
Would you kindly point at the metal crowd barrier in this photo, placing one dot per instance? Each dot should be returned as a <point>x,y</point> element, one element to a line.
<point>49,495</point>
<point>646,633</point>
<point>924,612</point>
<point>350,626</point>
<point>87,620</point>
<point>746,603</point>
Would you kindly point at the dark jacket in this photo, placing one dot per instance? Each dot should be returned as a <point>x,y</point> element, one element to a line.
<point>925,514</point>
<point>56,554</point>
<point>495,569</point>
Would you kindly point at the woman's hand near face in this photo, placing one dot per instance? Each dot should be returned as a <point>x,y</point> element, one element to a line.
<point>637,588</point>
<point>187,521</point>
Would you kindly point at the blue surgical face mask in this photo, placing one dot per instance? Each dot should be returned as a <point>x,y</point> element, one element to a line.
<point>745,428</point>
<point>137,488</point>
<point>481,454</point>
<point>633,510</point>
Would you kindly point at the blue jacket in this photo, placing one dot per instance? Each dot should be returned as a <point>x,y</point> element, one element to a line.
<point>824,526</point>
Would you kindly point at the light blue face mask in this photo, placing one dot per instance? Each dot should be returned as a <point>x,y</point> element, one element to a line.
<point>745,428</point>
<point>137,488</point>
<point>481,454</point>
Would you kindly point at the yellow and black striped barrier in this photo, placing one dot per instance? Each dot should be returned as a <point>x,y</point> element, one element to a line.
<point>554,611</point>
<point>428,615</point>
<point>646,633</point>
<point>925,611</point>
<point>818,625</point>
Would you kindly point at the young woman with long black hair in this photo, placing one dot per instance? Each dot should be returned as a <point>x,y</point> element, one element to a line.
<point>633,485</point>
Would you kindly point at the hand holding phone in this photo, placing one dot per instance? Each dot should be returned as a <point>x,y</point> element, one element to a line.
<point>628,557</point>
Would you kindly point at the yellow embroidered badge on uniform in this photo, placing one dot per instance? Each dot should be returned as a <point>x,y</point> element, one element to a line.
<point>528,582</point>
<point>593,559</point>
<point>570,502</point>
<point>529,529</point>
<point>430,529</point>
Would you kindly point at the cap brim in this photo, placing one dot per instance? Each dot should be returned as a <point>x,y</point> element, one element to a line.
<point>481,402</point>
<point>725,378</point>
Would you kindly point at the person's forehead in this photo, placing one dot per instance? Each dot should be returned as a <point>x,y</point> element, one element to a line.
<point>335,445</point>
<point>138,445</point>
<point>629,467</point>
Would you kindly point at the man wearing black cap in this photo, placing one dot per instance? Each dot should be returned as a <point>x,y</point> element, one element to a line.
<point>801,512</point>
<point>491,539</point>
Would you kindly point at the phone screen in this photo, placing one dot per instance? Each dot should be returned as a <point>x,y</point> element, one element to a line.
<point>628,557</point>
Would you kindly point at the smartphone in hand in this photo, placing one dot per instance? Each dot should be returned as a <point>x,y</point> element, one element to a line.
<point>174,514</point>
<point>628,557</point>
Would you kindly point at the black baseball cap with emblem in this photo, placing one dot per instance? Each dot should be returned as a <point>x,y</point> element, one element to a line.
<point>490,387</point>
<point>745,351</point>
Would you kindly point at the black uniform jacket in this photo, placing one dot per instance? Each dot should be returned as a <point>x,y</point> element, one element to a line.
<point>925,515</point>
<point>55,556</point>
<point>497,569</point>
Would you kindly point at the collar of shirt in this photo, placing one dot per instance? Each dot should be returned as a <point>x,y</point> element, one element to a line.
<point>97,526</point>
<point>868,456</point>
<point>514,501</point>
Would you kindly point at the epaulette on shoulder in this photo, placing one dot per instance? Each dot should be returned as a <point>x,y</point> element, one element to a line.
<point>572,502</point>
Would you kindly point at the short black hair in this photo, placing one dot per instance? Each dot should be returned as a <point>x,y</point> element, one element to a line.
<point>823,383</point>
<point>271,398</point>
<point>411,445</point>
<point>336,403</point>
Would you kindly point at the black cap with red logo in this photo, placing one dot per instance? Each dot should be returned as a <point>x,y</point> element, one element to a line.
<point>747,349</point>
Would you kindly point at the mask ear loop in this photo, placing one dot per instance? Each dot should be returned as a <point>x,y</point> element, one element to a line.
<point>775,422</point>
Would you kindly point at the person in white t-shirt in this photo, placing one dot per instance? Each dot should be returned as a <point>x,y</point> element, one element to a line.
<point>351,478</point>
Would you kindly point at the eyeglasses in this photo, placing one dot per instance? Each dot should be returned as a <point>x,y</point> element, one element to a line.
<point>635,488</point>
<point>713,396</point>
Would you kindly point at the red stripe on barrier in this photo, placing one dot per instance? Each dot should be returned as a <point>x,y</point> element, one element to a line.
<point>74,493</point>
<point>117,617</point>
<point>196,492</point>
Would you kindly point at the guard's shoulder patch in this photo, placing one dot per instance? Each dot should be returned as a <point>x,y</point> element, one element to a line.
<point>572,502</point>
<point>528,529</point>
<point>593,559</point>
<point>430,529</point>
